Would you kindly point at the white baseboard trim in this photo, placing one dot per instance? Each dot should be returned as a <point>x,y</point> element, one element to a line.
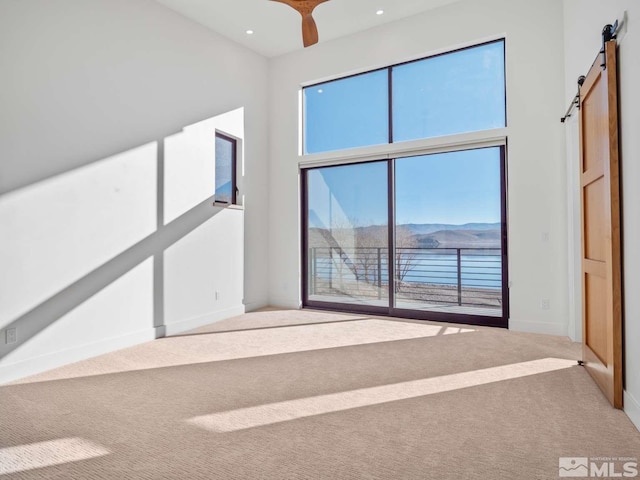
<point>253,306</point>
<point>284,303</point>
<point>32,366</point>
<point>632,408</point>
<point>21,369</point>
<point>547,328</point>
<point>181,326</point>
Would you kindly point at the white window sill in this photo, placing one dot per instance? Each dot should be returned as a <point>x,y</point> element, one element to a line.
<point>449,143</point>
<point>231,206</point>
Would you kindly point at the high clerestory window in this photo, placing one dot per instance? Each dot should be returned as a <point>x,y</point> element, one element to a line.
<point>457,92</point>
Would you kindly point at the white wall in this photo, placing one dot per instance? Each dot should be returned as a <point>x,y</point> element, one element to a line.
<point>584,21</point>
<point>536,175</point>
<point>102,244</point>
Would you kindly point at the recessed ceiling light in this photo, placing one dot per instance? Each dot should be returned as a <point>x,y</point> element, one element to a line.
<point>320,90</point>
<point>380,12</point>
<point>249,32</point>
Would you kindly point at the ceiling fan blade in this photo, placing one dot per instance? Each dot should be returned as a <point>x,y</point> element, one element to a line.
<point>305,8</point>
<point>309,31</point>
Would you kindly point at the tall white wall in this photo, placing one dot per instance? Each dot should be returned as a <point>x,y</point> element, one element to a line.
<point>584,21</point>
<point>536,167</point>
<point>108,235</point>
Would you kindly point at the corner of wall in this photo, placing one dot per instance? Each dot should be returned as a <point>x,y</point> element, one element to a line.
<point>632,408</point>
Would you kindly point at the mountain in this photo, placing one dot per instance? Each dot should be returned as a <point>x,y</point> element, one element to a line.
<point>429,235</point>
<point>460,239</point>
<point>424,228</point>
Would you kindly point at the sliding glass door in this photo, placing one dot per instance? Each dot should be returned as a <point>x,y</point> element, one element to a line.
<point>448,242</point>
<point>347,234</point>
<point>444,257</point>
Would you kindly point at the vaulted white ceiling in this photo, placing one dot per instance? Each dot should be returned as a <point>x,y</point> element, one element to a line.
<point>277,27</point>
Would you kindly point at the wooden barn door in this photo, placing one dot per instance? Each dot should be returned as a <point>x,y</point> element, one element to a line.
<point>600,199</point>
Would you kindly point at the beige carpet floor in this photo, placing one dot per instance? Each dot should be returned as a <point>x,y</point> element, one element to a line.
<point>311,395</point>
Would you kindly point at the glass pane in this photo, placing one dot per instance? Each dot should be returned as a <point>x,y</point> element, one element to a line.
<point>458,92</point>
<point>347,113</point>
<point>448,232</point>
<point>347,233</point>
<point>225,150</point>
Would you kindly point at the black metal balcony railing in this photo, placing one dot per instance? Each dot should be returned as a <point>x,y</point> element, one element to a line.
<point>456,276</point>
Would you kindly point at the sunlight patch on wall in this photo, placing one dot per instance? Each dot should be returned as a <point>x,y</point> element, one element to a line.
<point>57,231</point>
<point>273,413</point>
<point>124,305</point>
<point>46,454</point>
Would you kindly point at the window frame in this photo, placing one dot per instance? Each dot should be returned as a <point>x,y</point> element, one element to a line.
<point>494,137</point>
<point>234,161</point>
<point>302,152</point>
<point>393,310</point>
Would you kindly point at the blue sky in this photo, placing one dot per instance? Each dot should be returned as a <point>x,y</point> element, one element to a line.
<point>455,188</point>
<point>459,92</point>
<point>454,93</point>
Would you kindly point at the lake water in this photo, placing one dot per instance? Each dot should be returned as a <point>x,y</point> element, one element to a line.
<point>476,270</point>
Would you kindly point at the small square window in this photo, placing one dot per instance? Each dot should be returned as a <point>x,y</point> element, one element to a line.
<point>226,152</point>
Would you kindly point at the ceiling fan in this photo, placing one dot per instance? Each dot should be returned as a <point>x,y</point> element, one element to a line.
<point>305,8</point>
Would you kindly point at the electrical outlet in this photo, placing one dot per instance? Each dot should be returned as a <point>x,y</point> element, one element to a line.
<point>544,304</point>
<point>10,336</point>
<point>217,295</point>
<point>544,237</point>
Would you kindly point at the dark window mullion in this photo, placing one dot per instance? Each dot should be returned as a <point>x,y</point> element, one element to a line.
<point>504,246</point>
<point>234,183</point>
<point>304,202</point>
<point>391,258</point>
<point>390,113</point>
<point>233,144</point>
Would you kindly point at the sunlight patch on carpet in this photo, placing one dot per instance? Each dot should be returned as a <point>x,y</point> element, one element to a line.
<point>46,454</point>
<point>223,346</point>
<point>273,413</point>
<point>276,341</point>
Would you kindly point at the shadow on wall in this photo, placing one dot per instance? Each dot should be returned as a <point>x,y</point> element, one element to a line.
<point>127,246</point>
